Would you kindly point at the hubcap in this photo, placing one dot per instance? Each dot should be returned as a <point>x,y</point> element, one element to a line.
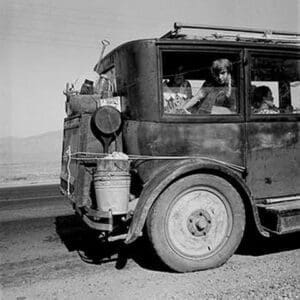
<point>198,222</point>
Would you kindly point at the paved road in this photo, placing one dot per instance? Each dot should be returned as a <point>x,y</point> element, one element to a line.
<point>35,201</point>
<point>29,192</point>
<point>55,256</point>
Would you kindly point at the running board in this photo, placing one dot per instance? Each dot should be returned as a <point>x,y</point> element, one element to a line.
<point>281,199</point>
<point>282,216</point>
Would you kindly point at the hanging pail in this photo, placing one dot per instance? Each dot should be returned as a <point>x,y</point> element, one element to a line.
<point>112,191</point>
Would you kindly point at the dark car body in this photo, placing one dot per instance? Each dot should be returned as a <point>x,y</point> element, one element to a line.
<point>258,154</point>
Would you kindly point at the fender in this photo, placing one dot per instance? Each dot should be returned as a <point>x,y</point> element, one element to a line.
<point>174,170</point>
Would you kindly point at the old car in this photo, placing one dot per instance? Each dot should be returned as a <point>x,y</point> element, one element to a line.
<point>138,160</point>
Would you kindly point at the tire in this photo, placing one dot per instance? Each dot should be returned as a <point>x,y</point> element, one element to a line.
<point>196,223</point>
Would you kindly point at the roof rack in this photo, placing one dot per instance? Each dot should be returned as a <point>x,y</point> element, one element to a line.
<point>232,33</point>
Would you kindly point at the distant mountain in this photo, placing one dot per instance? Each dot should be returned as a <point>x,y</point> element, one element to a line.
<point>38,148</point>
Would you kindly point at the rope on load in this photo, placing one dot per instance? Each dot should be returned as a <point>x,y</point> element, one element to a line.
<point>90,156</point>
<point>69,157</point>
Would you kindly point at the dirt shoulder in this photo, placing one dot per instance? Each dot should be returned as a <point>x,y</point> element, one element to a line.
<point>56,258</point>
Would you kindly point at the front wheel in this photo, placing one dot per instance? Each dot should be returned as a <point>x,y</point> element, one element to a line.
<point>196,223</point>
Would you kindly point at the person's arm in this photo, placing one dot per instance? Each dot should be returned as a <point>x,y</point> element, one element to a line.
<point>199,95</point>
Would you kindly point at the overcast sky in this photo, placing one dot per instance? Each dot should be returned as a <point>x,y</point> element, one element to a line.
<point>45,44</point>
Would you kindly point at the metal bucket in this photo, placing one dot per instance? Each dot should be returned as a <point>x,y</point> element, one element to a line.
<point>112,190</point>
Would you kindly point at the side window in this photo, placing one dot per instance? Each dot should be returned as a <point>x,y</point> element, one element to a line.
<point>200,83</point>
<point>275,85</point>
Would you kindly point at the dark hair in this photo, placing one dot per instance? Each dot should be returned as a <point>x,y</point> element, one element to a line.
<point>219,65</point>
<point>258,94</point>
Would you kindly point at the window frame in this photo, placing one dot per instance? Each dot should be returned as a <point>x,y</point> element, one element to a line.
<point>249,54</point>
<point>183,118</point>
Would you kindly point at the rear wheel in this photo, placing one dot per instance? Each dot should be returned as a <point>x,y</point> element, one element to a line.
<point>197,223</point>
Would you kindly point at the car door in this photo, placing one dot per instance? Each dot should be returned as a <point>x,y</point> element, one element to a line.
<point>273,136</point>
